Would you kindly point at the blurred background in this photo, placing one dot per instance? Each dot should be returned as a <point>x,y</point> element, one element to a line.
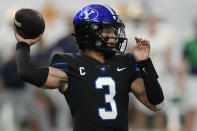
<point>171,27</point>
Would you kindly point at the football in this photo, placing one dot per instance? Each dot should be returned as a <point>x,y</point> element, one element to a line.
<point>29,23</point>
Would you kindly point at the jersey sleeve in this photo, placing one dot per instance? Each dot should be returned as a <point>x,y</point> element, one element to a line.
<point>58,61</point>
<point>135,69</point>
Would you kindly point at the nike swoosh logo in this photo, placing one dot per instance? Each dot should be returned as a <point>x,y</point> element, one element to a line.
<point>121,69</point>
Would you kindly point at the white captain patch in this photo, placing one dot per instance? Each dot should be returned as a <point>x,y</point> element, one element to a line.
<point>82,71</point>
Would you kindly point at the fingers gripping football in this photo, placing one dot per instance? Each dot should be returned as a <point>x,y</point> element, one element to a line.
<point>28,41</point>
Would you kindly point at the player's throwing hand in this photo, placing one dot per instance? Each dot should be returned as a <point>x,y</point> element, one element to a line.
<point>30,42</point>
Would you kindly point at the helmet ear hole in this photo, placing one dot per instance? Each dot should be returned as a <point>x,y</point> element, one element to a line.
<point>98,43</point>
<point>94,27</point>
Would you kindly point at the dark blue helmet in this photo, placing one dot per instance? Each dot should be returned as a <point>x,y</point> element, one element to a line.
<point>90,21</point>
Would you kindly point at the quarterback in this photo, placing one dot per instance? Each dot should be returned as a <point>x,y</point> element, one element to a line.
<point>96,82</point>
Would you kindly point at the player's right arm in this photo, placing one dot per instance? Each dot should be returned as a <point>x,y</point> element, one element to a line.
<point>56,79</point>
<point>48,77</point>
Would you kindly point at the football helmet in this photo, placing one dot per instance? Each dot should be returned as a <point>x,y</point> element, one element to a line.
<point>89,23</point>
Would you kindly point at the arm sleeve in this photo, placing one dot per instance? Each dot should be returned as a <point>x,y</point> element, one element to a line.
<point>153,89</point>
<point>34,75</point>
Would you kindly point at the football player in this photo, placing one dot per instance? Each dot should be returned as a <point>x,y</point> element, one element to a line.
<point>96,82</point>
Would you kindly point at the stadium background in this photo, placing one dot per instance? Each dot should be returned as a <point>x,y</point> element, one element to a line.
<point>178,16</point>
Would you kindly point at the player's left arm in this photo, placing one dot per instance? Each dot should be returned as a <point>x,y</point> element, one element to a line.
<point>147,88</point>
<point>149,93</point>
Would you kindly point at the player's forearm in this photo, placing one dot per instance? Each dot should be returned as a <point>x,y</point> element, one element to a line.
<point>153,89</point>
<point>154,92</point>
<point>26,70</point>
<point>143,98</point>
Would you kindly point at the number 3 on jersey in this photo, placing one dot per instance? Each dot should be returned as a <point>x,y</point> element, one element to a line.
<point>109,98</point>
